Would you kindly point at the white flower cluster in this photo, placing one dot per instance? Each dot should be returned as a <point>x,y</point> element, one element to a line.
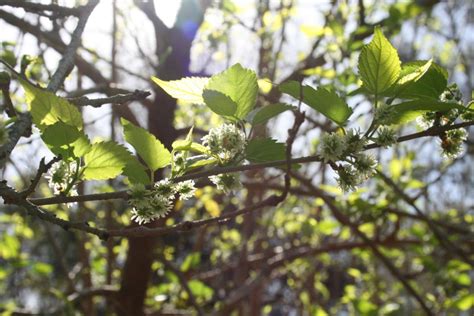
<point>352,175</point>
<point>452,93</point>
<point>3,132</point>
<point>383,114</point>
<point>386,137</point>
<point>149,205</point>
<point>60,176</point>
<point>355,166</point>
<point>179,163</point>
<point>226,182</point>
<point>227,142</point>
<point>332,147</point>
<point>451,145</point>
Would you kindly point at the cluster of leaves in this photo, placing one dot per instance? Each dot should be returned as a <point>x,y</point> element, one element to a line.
<point>420,88</point>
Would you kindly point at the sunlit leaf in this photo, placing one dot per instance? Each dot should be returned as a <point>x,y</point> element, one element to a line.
<point>219,103</point>
<point>187,89</point>
<point>430,83</point>
<point>269,111</point>
<point>150,149</point>
<point>324,101</point>
<point>47,109</point>
<point>265,149</point>
<point>379,64</point>
<point>240,85</point>
<point>105,160</point>
<point>407,111</point>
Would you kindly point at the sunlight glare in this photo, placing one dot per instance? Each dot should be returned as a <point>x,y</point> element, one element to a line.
<point>167,11</point>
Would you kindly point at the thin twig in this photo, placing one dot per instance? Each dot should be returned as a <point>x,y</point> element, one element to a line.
<point>137,95</point>
<point>10,196</point>
<point>67,61</point>
<point>42,169</point>
<point>221,170</point>
<point>38,8</point>
<point>143,231</point>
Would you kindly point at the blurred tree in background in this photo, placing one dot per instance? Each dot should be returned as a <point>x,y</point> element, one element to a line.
<point>289,241</point>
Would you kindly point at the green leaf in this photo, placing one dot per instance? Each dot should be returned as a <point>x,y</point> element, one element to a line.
<point>190,146</point>
<point>47,109</point>
<point>379,64</point>
<point>184,144</point>
<point>269,111</point>
<point>59,137</point>
<point>81,146</point>
<point>407,111</point>
<point>409,75</point>
<point>42,268</point>
<point>105,160</point>
<point>465,302</point>
<point>219,103</point>
<point>135,171</point>
<point>412,72</point>
<point>187,89</point>
<point>150,149</point>
<point>191,261</point>
<point>200,290</point>
<point>201,162</point>
<point>65,140</point>
<point>431,84</point>
<point>324,101</point>
<point>360,90</point>
<point>240,85</point>
<point>265,149</point>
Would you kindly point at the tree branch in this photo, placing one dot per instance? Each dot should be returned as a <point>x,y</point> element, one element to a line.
<point>137,95</point>
<point>42,169</point>
<point>38,8</point>
<point>10,196</point>
<point>67,61</point>
<point>249,167</point>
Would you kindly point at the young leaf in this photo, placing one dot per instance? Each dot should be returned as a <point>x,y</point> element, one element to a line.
<point>184,144</point>
<point>81,146</point>
<point>412,72</point>
<point>269,111</point>
<point>135,171</point>
<point>60,134</point>
<point>202,162</point>
<point>189,145</point>
<point>379,64</point>
<point>240,85</point>
<point>409,75</point>
<point>430,84</point>
<point>265,149</point>
<point>408,111</point>
<point>187,89</point>
<point>152,151</point>
<point>47,109</point>
<point>219,103</point>
<point>324,101</point>
<point>60,137</point>
<point>105,160</point>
